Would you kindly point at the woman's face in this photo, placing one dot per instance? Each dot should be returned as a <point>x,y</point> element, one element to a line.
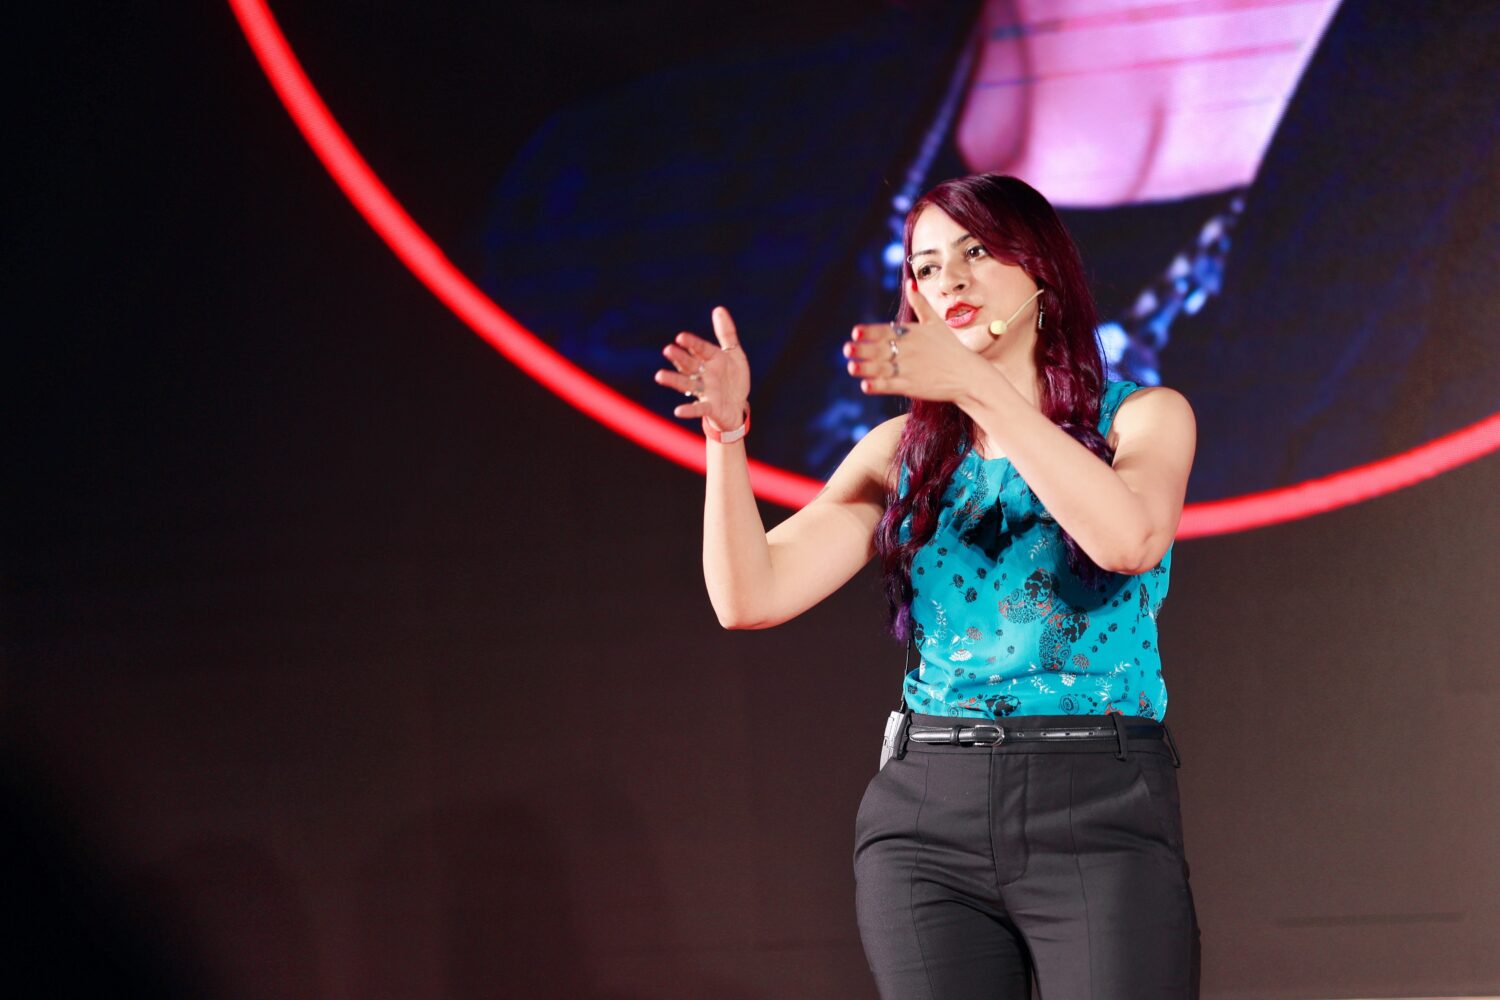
<point>968,288</point>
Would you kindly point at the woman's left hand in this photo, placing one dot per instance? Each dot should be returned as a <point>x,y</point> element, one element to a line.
<point>921,359</point>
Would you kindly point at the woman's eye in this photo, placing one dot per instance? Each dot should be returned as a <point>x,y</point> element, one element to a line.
<point>974,251</point>
<point>926,271</point>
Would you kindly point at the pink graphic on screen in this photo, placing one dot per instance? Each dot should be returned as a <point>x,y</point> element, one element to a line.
<point>1095,105</point>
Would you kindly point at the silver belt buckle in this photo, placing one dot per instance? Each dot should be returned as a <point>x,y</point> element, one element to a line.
<point>999,736</point>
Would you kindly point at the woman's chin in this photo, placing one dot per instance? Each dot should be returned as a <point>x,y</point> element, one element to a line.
<point>978,340</point>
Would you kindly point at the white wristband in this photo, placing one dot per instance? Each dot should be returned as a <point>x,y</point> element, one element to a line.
<point>728,437</point>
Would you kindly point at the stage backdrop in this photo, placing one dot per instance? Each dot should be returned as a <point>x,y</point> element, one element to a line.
<point>343,658</point>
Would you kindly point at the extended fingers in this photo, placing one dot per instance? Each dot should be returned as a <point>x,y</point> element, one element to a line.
<point>695,345</point>
<point>891,386</point>
<point>873,367</point>
<point>724,329</point>
<point>869,341</point>
<point>681,359</point>
<point>864,362</point>
<point>871,351</point>
<point>867,350</point>
<point>686,384</point>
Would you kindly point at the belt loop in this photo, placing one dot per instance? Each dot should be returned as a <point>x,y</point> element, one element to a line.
<point>901,734</point>
<point>1119,721</point>
<point>1171,745</point>
<point>953,732</point>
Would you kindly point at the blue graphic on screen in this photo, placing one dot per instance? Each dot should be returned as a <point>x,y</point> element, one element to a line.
<point>1299,241</point>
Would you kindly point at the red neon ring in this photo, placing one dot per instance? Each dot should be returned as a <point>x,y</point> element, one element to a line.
<point>581,390</point>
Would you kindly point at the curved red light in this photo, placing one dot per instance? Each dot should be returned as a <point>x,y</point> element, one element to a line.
<point>425,260</point>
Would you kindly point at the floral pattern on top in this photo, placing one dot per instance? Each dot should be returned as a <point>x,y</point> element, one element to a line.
<point>1003,626</point>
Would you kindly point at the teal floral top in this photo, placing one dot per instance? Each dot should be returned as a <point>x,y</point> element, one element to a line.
<point>1003,627</point>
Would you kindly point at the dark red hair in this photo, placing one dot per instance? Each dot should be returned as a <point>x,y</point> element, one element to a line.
<point>1017,225</point>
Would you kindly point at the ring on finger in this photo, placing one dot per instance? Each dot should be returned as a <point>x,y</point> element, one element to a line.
<point>900,329</point>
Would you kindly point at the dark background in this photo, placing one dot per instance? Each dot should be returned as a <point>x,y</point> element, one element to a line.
<point>342,660</point>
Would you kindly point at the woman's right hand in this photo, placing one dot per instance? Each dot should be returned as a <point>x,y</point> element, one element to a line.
<point>718,376</point>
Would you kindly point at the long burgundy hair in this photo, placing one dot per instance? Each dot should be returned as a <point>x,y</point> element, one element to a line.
<point>1017,225</point>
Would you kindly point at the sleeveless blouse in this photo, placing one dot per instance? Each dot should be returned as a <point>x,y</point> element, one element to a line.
<point>1003,626</point>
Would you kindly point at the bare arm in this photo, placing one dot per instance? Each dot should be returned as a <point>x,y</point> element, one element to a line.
<point>757,579</point>
<point>1155,437</point>
<point>1085,496</point>
<point>1123,515</point>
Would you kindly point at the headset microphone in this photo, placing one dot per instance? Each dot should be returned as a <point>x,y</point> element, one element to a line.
<point>999,326</point>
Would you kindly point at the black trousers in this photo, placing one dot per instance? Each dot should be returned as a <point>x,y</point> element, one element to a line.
<point>977,868</point>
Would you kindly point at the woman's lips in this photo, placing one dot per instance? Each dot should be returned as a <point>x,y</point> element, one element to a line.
<point>960,315</point>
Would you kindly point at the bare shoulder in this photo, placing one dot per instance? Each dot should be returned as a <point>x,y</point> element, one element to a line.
<point>867,471</point>
<point>883,440</point>
<point>885,435</point>
<point>1153,411</point>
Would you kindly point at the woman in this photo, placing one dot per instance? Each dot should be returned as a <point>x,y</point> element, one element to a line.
<point>1024,510</point>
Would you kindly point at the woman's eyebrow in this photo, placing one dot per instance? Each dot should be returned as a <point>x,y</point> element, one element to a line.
<point>919,253</point>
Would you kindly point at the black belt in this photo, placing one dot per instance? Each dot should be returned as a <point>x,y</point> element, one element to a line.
<point>988,736</point>
<point>985,735</point>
